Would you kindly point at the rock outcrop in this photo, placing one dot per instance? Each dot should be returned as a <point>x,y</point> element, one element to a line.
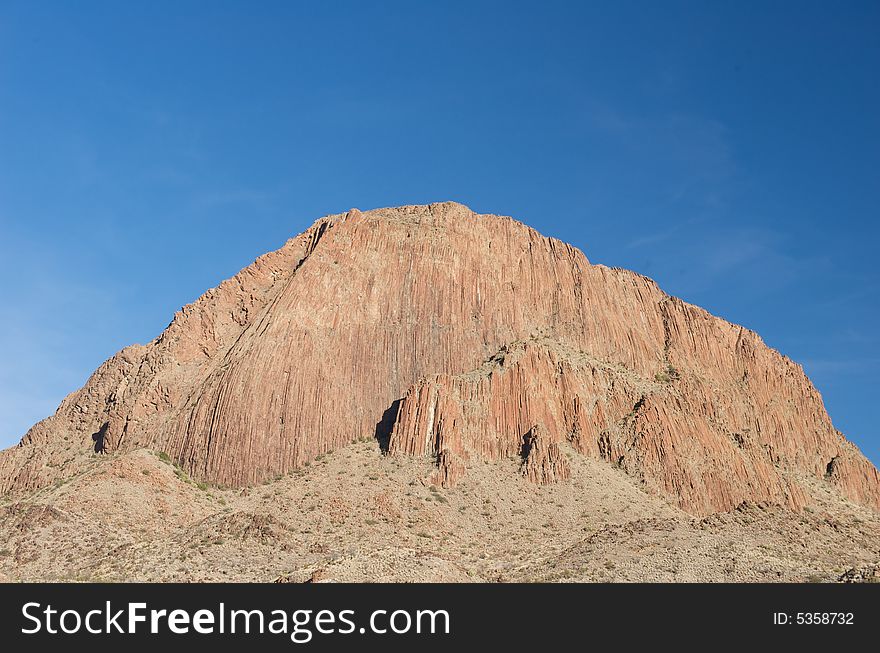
<point>869,574</point>
<point>445,333</point>
<point>543,461</point>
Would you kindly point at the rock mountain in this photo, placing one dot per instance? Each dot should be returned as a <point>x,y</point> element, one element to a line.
<point>464,338</point>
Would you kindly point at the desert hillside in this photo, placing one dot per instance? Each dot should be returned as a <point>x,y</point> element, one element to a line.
<point>357,515</point>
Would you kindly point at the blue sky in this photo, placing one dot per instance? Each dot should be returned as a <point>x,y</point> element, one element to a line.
<point>731,151</point>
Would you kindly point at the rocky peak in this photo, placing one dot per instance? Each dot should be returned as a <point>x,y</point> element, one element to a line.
<point>448,334</point>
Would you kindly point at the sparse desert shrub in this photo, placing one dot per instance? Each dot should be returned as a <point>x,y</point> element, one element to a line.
<point>668,375</point>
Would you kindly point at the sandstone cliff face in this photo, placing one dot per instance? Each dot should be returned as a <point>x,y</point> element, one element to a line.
<point>464,337</point>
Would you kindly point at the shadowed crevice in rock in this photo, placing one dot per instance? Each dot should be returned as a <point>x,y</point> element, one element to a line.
<point>385,425</point>
<point>831,467</point>
<point>316,234</point>
<point>100,437</point>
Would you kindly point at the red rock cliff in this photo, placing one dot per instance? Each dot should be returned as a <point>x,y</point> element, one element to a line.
<point>459,336</point>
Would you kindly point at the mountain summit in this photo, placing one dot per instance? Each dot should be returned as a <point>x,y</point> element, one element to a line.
<point>465,338</point>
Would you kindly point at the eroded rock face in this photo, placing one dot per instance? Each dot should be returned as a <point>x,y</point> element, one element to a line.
<point>667,431</point>
<point>543,461</point>
<point>450,334</point>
